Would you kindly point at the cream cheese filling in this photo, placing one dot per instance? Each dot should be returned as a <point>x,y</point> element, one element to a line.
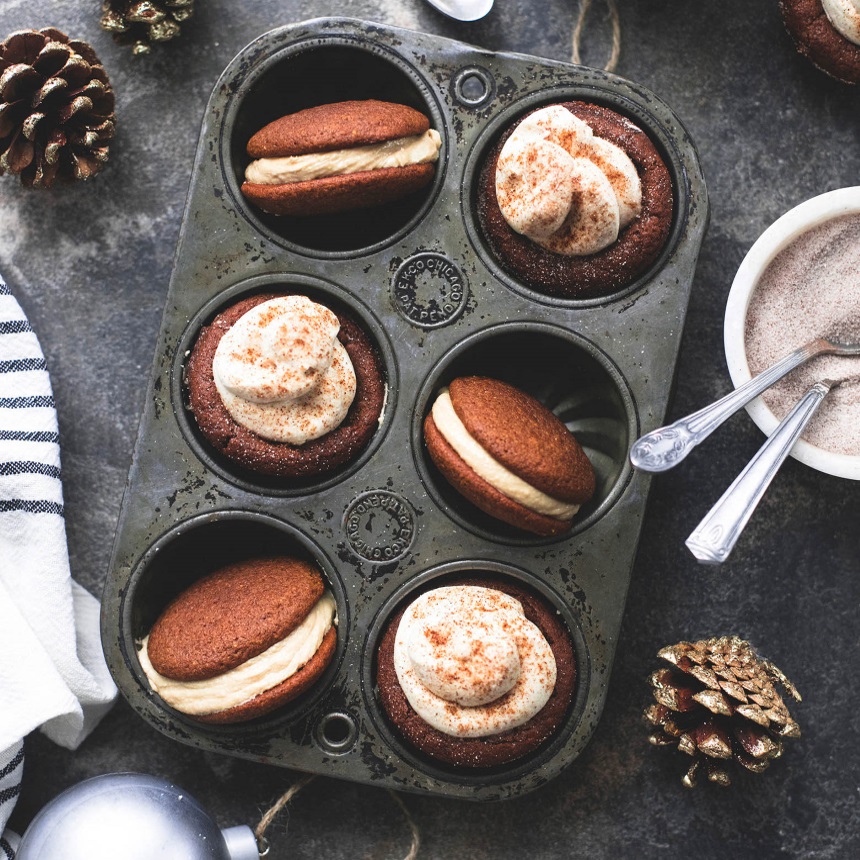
<point>844,15</point>
<point>470,663</point>
<point>417,149</point>
<point>247,680</point>
<point>282,373</point>
<point>565,188</point>
<point>491,470</point>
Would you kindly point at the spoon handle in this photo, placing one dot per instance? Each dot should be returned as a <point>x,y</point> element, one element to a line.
<point>715,536</point>
<point>660,450</point>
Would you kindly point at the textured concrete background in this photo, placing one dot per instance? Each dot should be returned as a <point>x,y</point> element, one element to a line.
<point>91,264</point>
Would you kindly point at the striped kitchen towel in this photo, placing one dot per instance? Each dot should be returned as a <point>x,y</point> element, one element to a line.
<point>52,669</point>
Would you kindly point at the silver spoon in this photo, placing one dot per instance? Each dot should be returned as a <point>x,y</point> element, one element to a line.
<point>716,535</point>
<point>660,450</point>
<point>463,10</point>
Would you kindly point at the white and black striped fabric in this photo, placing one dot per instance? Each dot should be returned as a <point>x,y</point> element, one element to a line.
<point>52,670</point>
<point>11,768</point>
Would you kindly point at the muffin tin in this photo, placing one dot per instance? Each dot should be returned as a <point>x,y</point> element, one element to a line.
<point>424,284</point>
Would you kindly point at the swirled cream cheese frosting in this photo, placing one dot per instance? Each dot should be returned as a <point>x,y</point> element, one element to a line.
<point>416,149</point>
<point>489,468</point>
<point>563,187</point>
<point>251,678</point>
<point>282,373</point>
<point>470,663</point>
<point>844,15</point>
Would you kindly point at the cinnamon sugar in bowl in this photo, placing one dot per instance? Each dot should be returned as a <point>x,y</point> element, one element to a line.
<point>799,281</point>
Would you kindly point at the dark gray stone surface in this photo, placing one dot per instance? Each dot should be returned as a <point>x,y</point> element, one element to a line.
<point>90,265</point>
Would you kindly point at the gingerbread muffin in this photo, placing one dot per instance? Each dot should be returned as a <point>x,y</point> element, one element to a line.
<point>508,454</point>
<point>827,32</point>
<point>283,386</point>
<point>575,201</point>
<point>476,674</point>
<point>242,641</point>
<point>338,157</point>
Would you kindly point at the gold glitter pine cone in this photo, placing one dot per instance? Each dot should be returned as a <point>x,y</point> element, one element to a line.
<point>56,108</point>
<point>717,702</point>
<point>141,22</point>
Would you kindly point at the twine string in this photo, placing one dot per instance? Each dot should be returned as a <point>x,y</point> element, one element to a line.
<point>579,28</point>
<point>271,813</point>
<point>415,842</point>
<point>273,810</point>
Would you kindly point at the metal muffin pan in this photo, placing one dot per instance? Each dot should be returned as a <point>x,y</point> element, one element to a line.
<point>420,278</point>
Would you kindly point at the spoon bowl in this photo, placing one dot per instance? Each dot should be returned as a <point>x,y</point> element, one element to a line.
<point>463,10</point>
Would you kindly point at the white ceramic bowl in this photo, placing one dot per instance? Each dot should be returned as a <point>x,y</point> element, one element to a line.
<point>844,201</point>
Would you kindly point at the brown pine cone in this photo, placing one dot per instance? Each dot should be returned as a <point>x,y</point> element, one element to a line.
<point>141,22</point>
<point>718,703</point>
<point>56,108</point>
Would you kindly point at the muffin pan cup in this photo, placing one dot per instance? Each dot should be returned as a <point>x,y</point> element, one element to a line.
<point>423,282</point>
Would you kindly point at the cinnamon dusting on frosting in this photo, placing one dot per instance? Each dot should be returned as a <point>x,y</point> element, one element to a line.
<point>470,663</point>
<point>282,373</point>
<point>564,188</point>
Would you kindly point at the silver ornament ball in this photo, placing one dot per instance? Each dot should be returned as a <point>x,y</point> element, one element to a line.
<point>134,817</point>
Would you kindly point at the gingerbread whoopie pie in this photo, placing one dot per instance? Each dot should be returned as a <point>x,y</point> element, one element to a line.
<point>508,454</point>
<point>337,157</point>
<point>242,641</point>
<point>284,386</point>
<point>827,32</point>
<point>575,201</point>
<point>476,674</point>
